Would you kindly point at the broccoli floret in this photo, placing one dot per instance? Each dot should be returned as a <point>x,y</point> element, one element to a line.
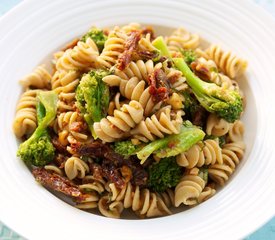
<point>173,144</point>
<point>92,96</point>
<point>97,36</point>
<point>125,148</point>
<point>38,149</point>
<point>225,103</point>
<point>189,56</point>
<point>164,174</point>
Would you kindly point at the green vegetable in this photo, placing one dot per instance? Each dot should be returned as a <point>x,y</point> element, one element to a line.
<point>97,36</point>
<point>225,103</point>
<point>164,174</point>
<point>203,173</point>
<point>173,144</point>
<point>125,148</point>
<point>189,56</point>
<point>160,44</point>
<point>191,105</point>
<point>222,141</point>
<point>92,97</point>
<point>38,149</point>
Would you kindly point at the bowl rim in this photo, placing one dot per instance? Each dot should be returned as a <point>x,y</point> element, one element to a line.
<point>13,16</point>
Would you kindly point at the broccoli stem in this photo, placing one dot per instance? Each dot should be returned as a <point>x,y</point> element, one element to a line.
<point>160,44</point>
<point>150,148</point>
<point>194,82</point>
<point>49,100</point>
<point>40,112</point>
<point>46,112</point>
<point>174,144</point>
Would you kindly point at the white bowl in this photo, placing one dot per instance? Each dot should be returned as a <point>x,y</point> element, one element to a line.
<point>31,32</point>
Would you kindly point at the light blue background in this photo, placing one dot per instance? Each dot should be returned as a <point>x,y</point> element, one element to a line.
<point>267,232</point>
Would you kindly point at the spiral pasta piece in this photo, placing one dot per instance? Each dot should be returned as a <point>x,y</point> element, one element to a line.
<point>207,193</point>
<point>110,209</point>
<point>82,57</point>
<point>54,169</point>
<point>40,78</point>
<point>131,27</point>
<point>207,152</point>
<point>113,47</point>
<point>176,79</point>
<point>139,69</point>
<point>236,132</point>
<point>97,180</point>
<point>232,154</point>
<point>90,201</point>
<point>115,127</point>
<point>94,188</point>
<point>91,184</point>
<point>146,45</point>
<point>182,39</point>
<point>143,202</point>
<point>116,103</point>
<point>220,173</point>
<point>64,84</point>
<point>189,190</point>
<point>227,61</point>
<point>25,121</point>
<point>168,197</point>
<point>134,89</point>
<point>201,53</point>
<point>75,167</point>
<point>158,125</point>
<point>71,124</point>
<point>216,126</point>
<point>223,81</point>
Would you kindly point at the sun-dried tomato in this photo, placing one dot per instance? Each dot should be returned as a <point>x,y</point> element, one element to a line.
<point>159,85</point>
<point>130,47</point>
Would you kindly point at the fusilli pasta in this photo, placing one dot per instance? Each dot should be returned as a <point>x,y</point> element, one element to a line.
<point>25,121</point>
<point>182,39</point>
<point>189,190</point>
<point>113,47</point>
<point>115,127</point>
<point>143,202</point>
<point>163,122</point>
<point>133,89</point>
<point>138,69</point>
<point>39,78</point>
<point>75,167</point>
<point>82,57</point>
<point>226,61</point>
<point>207,153</point>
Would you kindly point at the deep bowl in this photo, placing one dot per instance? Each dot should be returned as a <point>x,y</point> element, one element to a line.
<point>29,35</point>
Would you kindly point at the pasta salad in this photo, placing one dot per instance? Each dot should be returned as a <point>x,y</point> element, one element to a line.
<point>126,119</point>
